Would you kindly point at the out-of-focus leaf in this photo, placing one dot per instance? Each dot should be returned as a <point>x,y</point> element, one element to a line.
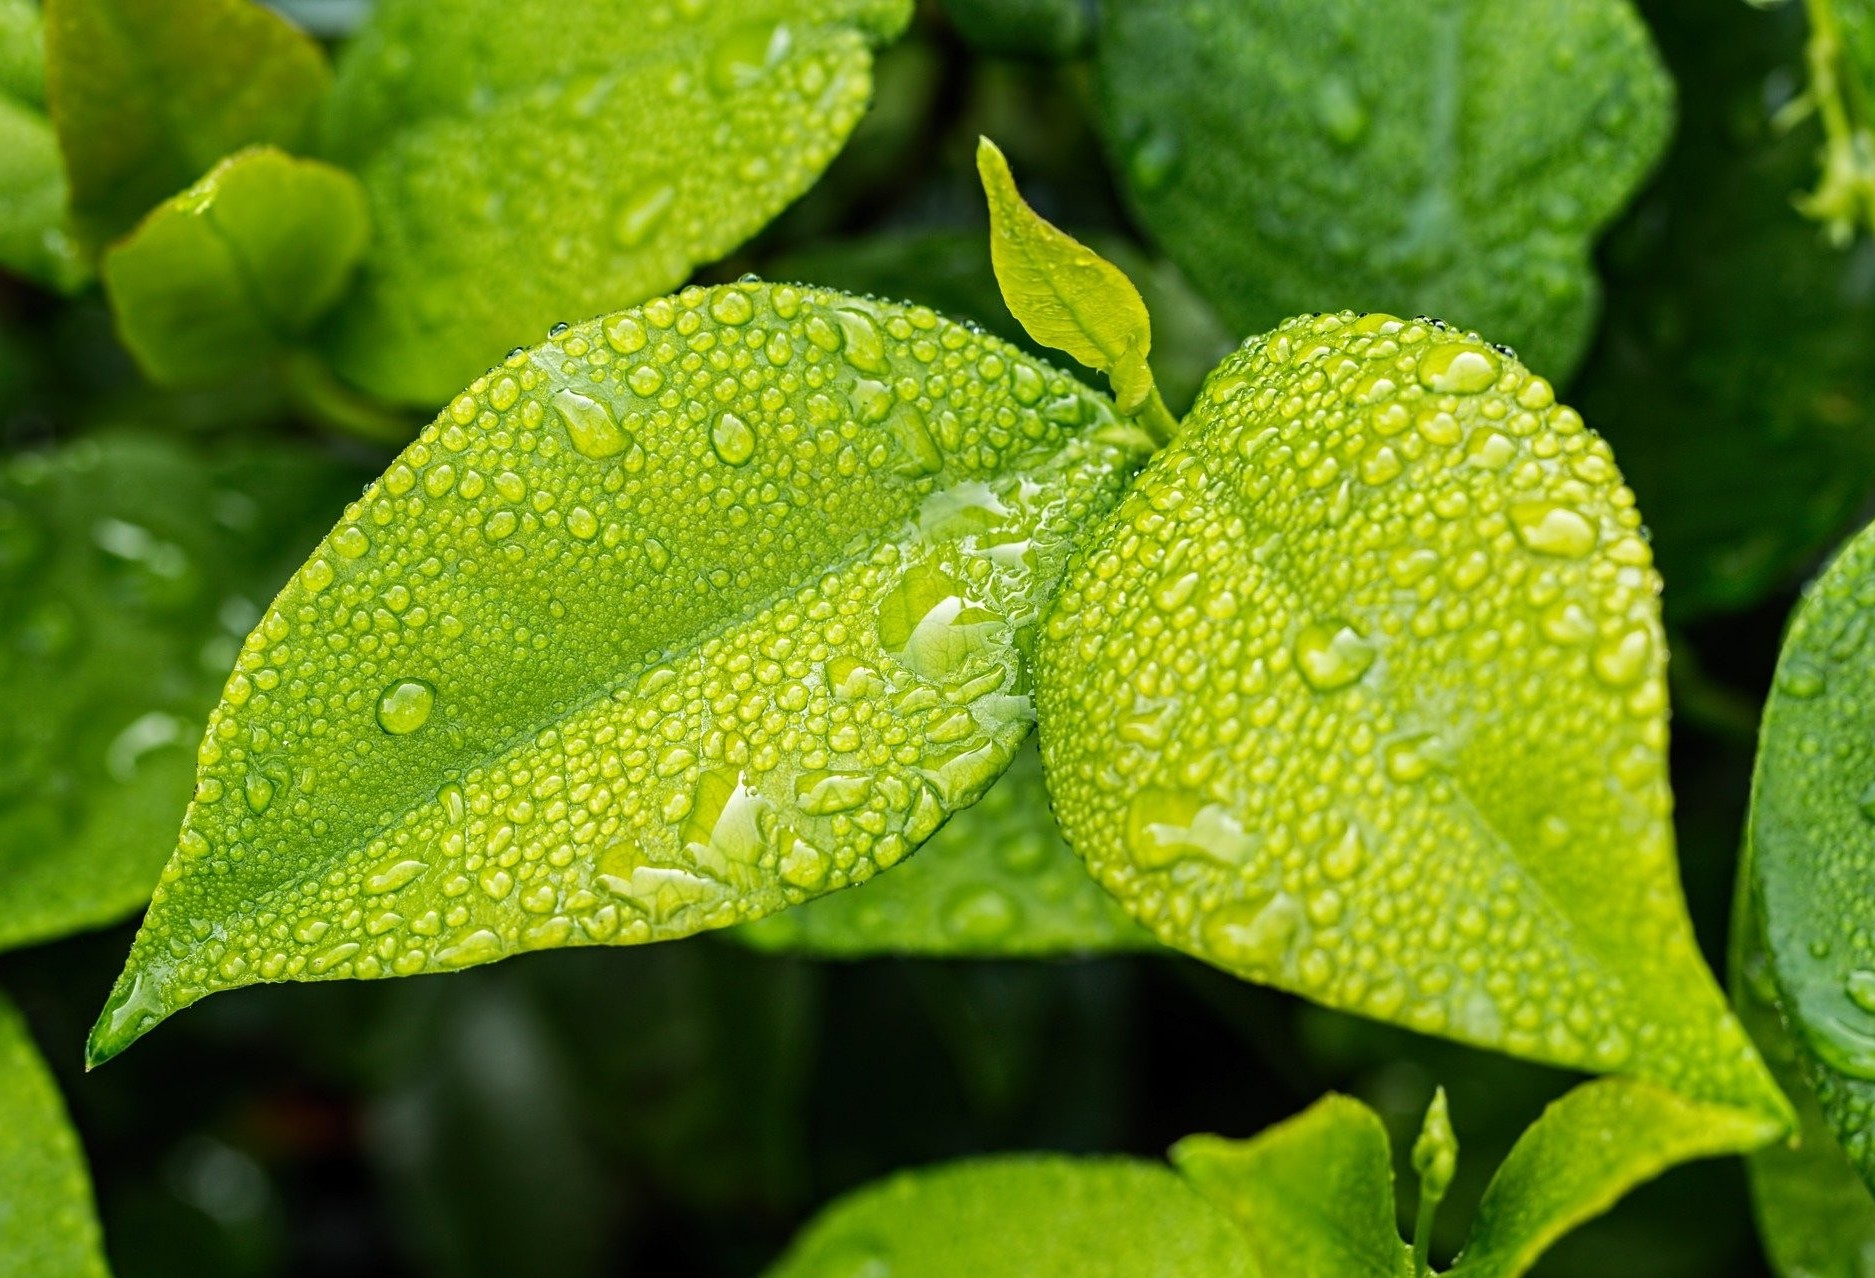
<point>129,569</point>
<point>1734,374</point>
<point>236,268</point>
<point>33,239</point>
<point>22,53</point>
<point>694,612</point>
<point>537,161</point>
<point>147,95</point>
<point>1841,55</point>
<point>1372,652</point>
<point>1452,158</point>
<point>48,1226</point>
<point>995,881</point>
<point>1034,1216</point>
<point>1046,30</point>
<point>1313,1195</point>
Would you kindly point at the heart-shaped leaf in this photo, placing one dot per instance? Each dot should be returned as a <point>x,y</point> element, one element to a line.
<point>688,615</point>
<point>47,1222</point>
<point>1360,693</point>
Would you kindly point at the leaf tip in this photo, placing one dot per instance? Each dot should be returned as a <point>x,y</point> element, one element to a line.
<point>138,1003</point>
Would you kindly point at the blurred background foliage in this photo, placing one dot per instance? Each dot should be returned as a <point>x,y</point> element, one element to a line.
<point>683,1108</point>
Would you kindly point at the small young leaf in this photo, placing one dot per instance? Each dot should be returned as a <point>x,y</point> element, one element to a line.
<point>48,1225</point>
<point>995,881</point>
<point>130,567</point>
<point>1033,1216</point>
<point>695,612</point>
<point>148,94</point>
<point>1587,1150</point>
<point>33,240</point>
<point>1435,1159</point>
<point>236,268</point>
<point>1452,158</point>
<point>1812,838</point>
<point>1065,295</point>
<point>1373,652</point>
<point>532,161</point>
<point>1313,1195</point>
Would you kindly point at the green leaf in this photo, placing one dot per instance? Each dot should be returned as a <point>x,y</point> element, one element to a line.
<point>1587,1150</point>
<point>236,268</point>
<point>1064,294</point>
<point>1047,30</point>
<point>33,240</point>
<point>22,53</point>
<point>534,161</point>
<point>1813,840</point>
<point>1029,1216</point>
<point>995,881</point>
<point>148,94</point>
<point>692,613</point>
<point>1816,1218</point>
<point>48,1224</point>
<point>1313,1195</point>
<point>1360,693</point>
<point>1452,158</point>
<point>1842,79</point>
<point>129,569</point>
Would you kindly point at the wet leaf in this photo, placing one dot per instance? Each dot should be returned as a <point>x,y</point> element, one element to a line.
<point>1030,1216</point>
<point>690,614</point>
<point>1296,692</point>
<point>541,161</point>
<point>995,881</point>
<point>33,240</point>
<point>1813,841</point>
<point>1453,158</point>
<point>147,95</point>
<point>48,1224</point>
<point>130,567</point>
<point>238,267</point>
<point>1313,1195</point>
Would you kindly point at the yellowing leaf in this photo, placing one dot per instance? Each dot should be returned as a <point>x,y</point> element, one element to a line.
<point>690,614</point>
<point>1360,692</point>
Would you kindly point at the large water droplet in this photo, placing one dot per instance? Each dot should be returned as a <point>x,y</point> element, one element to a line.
<point>1552,529</point>
<point>590,426</point>
<point>405,706</point>
<point>1164,827</point>
<point>1255,937</point>
<point>865,348</point>
<point>1331,656</point>
<point>1457,368</point>
<point>732,439</point>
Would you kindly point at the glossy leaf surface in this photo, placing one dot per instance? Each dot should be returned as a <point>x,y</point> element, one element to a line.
<point>147,95</point>
<point>1035,1216</point>
<point>48,1225</point>
<point>130,568</point>
<point>1813,840</point>
<point>692,613</point>
<point>1313,1195</point>
<point>236,268</point>
<point>995,881</point>
<point>542,161</point>
<point>1452,158</point>
<point>1297,693</point>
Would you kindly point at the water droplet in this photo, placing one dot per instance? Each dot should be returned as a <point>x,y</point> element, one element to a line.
<point>1254,937</point>
<point>590,426</point>
<point>980,914</point>
<point>1164,827</point>
<point>1860,987</point>
<point>1458,368</point>
<point>865,348</point>
<point>640,214</point>
<point>1332,656</point>
<point>258,790</point>
<point>405,706</point>
<point>392,877</point>
<point>1550,529</point>
<point>732,439</point>
<point>1798,678</point>
<point>744,56</point>
<point>732,306</point>
<point>1625,660</point>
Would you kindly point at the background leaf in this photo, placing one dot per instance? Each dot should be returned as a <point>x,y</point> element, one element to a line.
<point>148,94</point>
<point>33,240</point>
<point>1297,692</point>
<point>995,881</point>
<point>1452,158</point>
<point>48,1225</point>
<point>1049,30</point>
<point>737,587</point>
<point>129,569</point>
<point>536,162</point>
<point>1031,1216</point>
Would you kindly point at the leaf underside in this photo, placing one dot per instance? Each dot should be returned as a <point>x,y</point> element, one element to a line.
<point>695,612</point>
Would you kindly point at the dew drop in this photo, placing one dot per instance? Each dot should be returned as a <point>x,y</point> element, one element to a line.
<point>1860,987</point>
<point>405,706</point>
<point>1457,368</point>
<point>1332,656</point>
<point>1550,529</point>
<point>980,914</point>
<point>1800,679</point>
<point>865,348</point>
<point>732,439</point>
<point>640,215</point>
<point>1164,827</point>
<point>590,426</point>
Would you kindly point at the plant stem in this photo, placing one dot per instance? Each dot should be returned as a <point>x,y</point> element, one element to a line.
<point>1422,1235</point>
<point>1157,419</point>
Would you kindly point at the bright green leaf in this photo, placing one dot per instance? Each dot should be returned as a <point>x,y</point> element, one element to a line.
<point>694,612</point>
<point>1450,158</point>
<point>1065,295</point>
<point>130,567</point>
<point>995,881</point>
<point>33,240</point>
<point>1048,30</point>
<point>236,268</point>
<point>1313,1195</point>
<point>22,53</point>
<point>1813,840</point>
<point>48,1225</point>
<point>1587,1150</point>
<point>1373,651</point>
<point>1816,1218</point>
<point>1033,1216</point>
<point>148,94</point>
<point>535,161</point>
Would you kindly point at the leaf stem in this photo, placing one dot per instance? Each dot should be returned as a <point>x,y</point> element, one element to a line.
<point>1422,1234</point>
<point>1157,418</point>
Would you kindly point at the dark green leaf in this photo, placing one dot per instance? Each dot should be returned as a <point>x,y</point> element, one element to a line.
<point>535,161</point>
<point>695,612</point>
<point>48,1226</point>
<point>1451,158</point>
<point>238,267</point>
<point>1047,30</point>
